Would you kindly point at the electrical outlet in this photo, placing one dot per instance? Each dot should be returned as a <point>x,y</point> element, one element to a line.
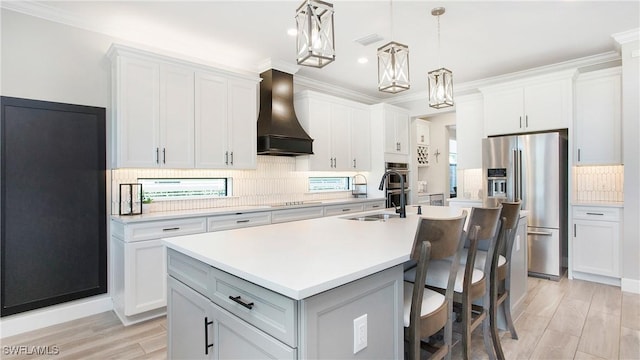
<point>359,333</point>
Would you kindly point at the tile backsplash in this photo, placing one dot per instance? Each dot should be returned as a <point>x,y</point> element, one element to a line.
<point>469,184</point>
<point>275,180</point>
<point>598,183</point>
<point>590,183</point>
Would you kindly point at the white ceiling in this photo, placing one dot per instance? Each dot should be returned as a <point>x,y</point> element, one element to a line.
<point>479,39</point>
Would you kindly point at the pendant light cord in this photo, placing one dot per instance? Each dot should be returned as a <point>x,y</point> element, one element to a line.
<point>391,19</point>
<point>439,59</point>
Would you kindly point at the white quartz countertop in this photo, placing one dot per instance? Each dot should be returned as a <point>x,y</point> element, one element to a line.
<point>166,215</point>
<point>303,258</point>
<point>598,203</point>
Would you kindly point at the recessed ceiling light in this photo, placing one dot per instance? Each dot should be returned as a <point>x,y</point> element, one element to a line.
<point>363,60</point>
<point>292,32</point>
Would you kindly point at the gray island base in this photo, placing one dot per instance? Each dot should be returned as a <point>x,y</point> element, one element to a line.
<point>327,288</point>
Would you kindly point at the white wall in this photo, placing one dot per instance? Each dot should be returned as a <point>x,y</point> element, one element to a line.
<point>48,61</point>
<point>631,150</point>
<point>437,173</point>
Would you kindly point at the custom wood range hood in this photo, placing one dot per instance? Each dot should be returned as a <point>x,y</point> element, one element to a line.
<point>279,132</point>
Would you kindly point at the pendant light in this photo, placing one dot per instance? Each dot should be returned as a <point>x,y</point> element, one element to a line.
<point>315,39</point>
<point>440,80</point>
<point>393,64</point>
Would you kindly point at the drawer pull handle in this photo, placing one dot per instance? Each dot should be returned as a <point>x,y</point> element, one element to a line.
<point>599,214</point>
<point>242,221</point>
<point>241,302</point>
<point>346,209</point>
<point>375,206</point>
<point>171,229</point>
<point>206,335</point>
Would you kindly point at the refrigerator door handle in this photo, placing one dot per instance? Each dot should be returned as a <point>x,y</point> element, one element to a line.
<point>519,174</point>
<point>542,233</point>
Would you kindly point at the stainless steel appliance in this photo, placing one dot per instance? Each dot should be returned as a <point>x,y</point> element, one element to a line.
<point>532,168</point>
<point>397,176</point>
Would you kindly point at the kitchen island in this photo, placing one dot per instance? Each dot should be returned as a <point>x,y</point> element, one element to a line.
<point>292,290</point>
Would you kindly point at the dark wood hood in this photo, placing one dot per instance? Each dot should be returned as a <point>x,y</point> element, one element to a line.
<point>279,132</point>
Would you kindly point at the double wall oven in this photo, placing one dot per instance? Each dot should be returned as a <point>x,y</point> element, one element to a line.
<point>393,183</point>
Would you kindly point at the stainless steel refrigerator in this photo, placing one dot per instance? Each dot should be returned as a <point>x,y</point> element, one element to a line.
<point>532,168</point>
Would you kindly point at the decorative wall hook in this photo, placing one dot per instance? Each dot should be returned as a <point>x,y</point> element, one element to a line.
<point>437,153</point>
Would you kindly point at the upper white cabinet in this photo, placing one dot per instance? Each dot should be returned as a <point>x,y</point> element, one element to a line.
<point>534,104</point>
<point>598,117</point>
<point>225,122</point>
<point>469,130</point>
<point>340,129</point>
<point>422,132</point>
<point>395,123</point>
<point>161,105</point>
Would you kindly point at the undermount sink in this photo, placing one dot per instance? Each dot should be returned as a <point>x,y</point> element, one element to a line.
<point>373,217</point>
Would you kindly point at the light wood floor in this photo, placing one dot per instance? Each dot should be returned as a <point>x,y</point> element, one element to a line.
<point>561,320</point>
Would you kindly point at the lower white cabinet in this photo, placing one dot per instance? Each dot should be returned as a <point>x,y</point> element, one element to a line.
<point>596,243</point>
<point>220,334</point>
<point>342,209</point>
<point>138,265</point>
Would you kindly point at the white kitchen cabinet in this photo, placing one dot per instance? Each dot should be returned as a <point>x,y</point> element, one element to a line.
<point>340,129</point>
<point>422,132</point>
<point>303,213</point>
<point>225,122</point>
<point>238,220</point>
<point>533,104</point>
<point>598,120</point>
<point>596,243</point>
<point>469,130</point>
<point>139,265</point>
<point>153,103</point>
<point>396,135</point>
<point>331,210</point>
<point>175,114</point>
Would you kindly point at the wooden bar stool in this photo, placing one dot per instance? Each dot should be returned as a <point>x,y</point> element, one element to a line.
<point>471,283</point>
<point>426,312</point>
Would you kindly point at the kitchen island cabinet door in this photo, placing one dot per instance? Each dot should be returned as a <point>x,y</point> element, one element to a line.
<point>189,323</point>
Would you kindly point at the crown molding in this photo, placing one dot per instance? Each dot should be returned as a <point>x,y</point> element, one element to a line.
<point>627,36</point>
<point>41,10</point>
<point>335,90</point>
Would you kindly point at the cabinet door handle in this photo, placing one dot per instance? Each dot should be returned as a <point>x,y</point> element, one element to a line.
<point>574,230</point>
<point>232,158</point>
<point>164,155</point>
<point>375,206</point>
<point>206,335</point>
<point>242,221</point>
<point>239,300</point>
<point>157,155</point>
<point>171,229</point>
<point>598,214</point>
<point>331,162</point>
<point>226,158</point>
<point>526,121</point>
<point>578,154</point>
<point>521,122</point>
<point>354,163</point>
<point>346,209</point>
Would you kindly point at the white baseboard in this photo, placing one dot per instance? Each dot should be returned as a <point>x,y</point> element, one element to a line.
<point>52,315</point>
<point>630,285</point>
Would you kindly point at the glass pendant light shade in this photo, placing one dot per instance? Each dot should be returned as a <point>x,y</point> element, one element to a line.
<point>315,39</point>
<point>393,68</point>
<point>440,88</point>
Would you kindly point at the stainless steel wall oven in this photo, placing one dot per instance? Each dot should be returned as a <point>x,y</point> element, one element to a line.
<point>393,189</point>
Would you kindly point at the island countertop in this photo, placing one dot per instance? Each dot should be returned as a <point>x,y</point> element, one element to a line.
<point>304,258</point>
